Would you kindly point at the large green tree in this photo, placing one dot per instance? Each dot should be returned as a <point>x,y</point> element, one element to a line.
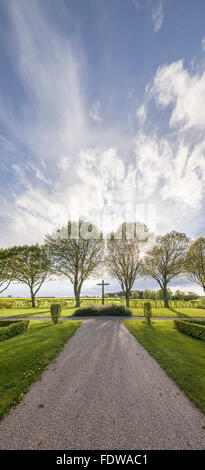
<point>194,265</point>
<point>76,252</point>
<point>123,256</point>
<point>32,267</point>
<point>165,261</point>
<point>7,257</point>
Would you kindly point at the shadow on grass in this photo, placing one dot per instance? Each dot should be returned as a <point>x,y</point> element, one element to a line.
<point>178,314</point>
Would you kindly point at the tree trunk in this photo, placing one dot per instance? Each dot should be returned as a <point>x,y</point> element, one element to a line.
<point>77,300</point>
<point>166,300</point>
<point>127,296</point>
<point>77,296</point>
<point>32,299</point>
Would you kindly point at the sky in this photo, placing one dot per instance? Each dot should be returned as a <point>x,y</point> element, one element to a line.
<point>102,116</point>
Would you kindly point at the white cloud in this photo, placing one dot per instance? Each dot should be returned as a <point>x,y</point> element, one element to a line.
<point>174,85</point>
<point>52,119</point>
<point>157,17</point>
<point>142,114</point>
<point>171,169</point>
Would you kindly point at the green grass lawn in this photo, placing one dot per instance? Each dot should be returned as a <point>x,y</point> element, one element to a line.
<point>172,312</point>
<point>68,312</point>
<point>32,312</point>
<point>24,357</point>
<point>182,357</point>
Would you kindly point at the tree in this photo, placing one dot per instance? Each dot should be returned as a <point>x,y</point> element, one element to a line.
<point>76,252</point>
<point>165,261</point>
<point>32,267</point>
<point>194,265</point>
<point>135,294</point>
<point>149,294</point>
<point>6,268</point>
<point>123,257</point>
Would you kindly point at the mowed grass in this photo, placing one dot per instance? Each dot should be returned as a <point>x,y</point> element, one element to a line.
<point>24,357</point>
<point>171,312</point>
<point>68,312</point>
<point>32,312</point>
<point>182,357</point>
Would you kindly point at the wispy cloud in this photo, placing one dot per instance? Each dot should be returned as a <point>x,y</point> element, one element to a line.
<point>203,43</point>
<point>95,112</point>
<point>157,17</point>
<point>53,116</point>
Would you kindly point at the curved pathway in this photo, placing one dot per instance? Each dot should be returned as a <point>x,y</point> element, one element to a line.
<point>104,392</point>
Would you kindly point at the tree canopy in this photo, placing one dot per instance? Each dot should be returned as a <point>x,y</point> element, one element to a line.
<point>123,256</point>
<point>76,252</point>
<point>6,267</point>
<point>165,261</point>
<point>194,265</point>
<point>32,267</point>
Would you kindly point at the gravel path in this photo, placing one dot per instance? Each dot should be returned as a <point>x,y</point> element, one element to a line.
<point>104,392</point>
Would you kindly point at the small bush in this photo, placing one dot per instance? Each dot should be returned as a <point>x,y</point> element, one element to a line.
<point>5,304</point>
<point>55,310</point>
<point>201,303</point>
<point>8,329</point>
<point>194,328</point>
<point>116,310</point>
<point>147,311</point>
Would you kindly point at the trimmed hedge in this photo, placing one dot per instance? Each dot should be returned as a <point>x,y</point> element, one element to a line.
<point>8,329</point>
<point>55,310</point>
<point>116,310</point>
<point>147,311</point>
<point>194,328</point>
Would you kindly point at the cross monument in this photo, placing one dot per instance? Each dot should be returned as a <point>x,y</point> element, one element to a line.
<point>103,283</point>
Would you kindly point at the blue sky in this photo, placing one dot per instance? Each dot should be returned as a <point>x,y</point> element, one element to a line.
<point>101,112</point>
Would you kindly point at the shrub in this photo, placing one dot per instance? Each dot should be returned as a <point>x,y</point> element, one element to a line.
<point>147,311</point>
<point>201,303</point>
<point>194,328</point>
<point>116,310</point>
<point>5,304</point>
<point>55,310</point>
<point>8,329</point>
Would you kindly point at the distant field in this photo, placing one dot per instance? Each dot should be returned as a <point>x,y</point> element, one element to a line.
<point>66,303</point>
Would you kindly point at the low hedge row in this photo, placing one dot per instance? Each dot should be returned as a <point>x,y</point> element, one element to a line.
<point>8,329</point>
<point>194,328</point>
<point>118,310</point>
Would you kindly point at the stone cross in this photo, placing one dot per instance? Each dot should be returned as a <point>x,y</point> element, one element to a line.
<point>103,283</point>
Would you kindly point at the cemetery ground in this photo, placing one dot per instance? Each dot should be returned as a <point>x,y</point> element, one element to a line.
<point>104,390</point>
<point>44,313</point>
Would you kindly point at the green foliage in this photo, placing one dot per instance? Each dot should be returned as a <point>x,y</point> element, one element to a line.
<point>201,303</point>
<point>55,310</point>
<point>10,329</point>
<point>5,304</point>
<point>76,252</point>
<point>7,257</point>
<point>194,265</point>
<point>31,267</point>
<point>116,310</point>
<point>195,328</point>
<point>135,294</point>
<point>147,311</point>
<point>165,261</point>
